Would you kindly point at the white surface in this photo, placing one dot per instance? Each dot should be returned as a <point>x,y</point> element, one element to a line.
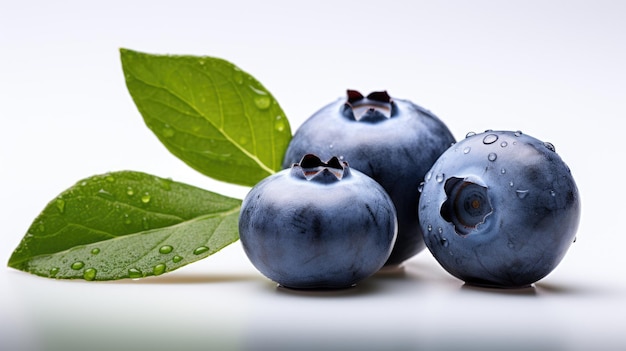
<point>554,69</point>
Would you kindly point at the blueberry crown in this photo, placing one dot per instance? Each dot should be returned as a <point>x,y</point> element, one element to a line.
<point>312,168</point>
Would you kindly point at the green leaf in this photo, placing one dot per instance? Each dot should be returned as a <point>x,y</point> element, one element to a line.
<point>126,225</point>
<point>212,115</point>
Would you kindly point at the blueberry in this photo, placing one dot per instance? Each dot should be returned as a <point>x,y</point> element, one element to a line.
<point>393,141</point>
<point>317,225</point>
<point>499,209</point>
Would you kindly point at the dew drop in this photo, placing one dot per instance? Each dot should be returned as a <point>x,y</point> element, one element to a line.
<point>467,149</point>
<point>145,223</point>
<point>159,269</point>
<point>444,242</point>
<point>428,176</point>
<point>420,187</point>
<point>279,125</point>
<point>504,144</point>
<point>492,156</point>
<point>490,139</point>
<point>503,171</point>
<point>200,250</point>
<point>77,265</point>
<point>430,228</point>
<point>90,274</point>
<point>439,177</point>
<point>130,191</point>
<point>521,193</point>
<point>165,249</point>
<point>552,193</point>
<point>127,219</point>
<point>145,198</point>
<point>167,131</point>
<point>470,134</point>
<point>440,230</point>
<point>549,146</point>
<point>109,178</point>
<point>176,259</point>
<point>41,227</point>
<point>518,133</point>
<point>105,195</point>
<point>54,271</point>
<point>95,251</point>
<point>134,273</point>
<point>238,76</point>
<point>60,203</point>
<point>331,146</point>
<point>166,183</point>
<point>262,102</point>
<point>511,183</point>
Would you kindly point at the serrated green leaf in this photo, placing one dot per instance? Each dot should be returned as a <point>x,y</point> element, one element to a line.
<point>209,113</point>
<point>126,225</point>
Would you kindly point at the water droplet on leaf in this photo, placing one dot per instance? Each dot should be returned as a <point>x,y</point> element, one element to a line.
<point>109,178</point>
<point>95,251</point>
<point>159,269</point>
<point>130,191</point>
<point>60,203</point>
<point>134,273</point>
<point>262,102</point>
<point>176,259</point>
<point>200,250</point>
<point>54,271</point>
<point>90,274</point>
<point>166,249</point>
<point>145,198</point>
<point>167,131</point>
<point>105,195</point>
<point>77,265</point>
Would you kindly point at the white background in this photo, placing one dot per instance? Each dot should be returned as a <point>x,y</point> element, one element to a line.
<point>553,69</point>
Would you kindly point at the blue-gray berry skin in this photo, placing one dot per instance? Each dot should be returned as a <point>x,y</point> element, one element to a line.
<point>393,141</point>
<point>317,225</point>
<point>499,209</point>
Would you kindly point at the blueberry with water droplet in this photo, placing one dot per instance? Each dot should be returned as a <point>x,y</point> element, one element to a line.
<point>317,225</point>
<point>503,229</point>
<point>392,140</point>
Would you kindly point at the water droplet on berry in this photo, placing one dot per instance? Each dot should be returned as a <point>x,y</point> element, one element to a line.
<point>521,193</point>
<point>440,230</point>
<point>470,134</point>
<point>444,242</point>
<point>503,171</point>
<point>420,188</point>
<point>492,157</point>
<point>428,176</point>
<point>490,139</point>
<point>518,133</point>
<point>504,144</point>
<point>439,177</point>
<point>166,249</point>
<point>430,228</point>
<point>467,149</point>
<point>549,146</point>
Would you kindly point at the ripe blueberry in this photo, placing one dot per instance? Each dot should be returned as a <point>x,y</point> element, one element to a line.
<point>393,141</point>
<point>317,225</point>
<point>499,209</point>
